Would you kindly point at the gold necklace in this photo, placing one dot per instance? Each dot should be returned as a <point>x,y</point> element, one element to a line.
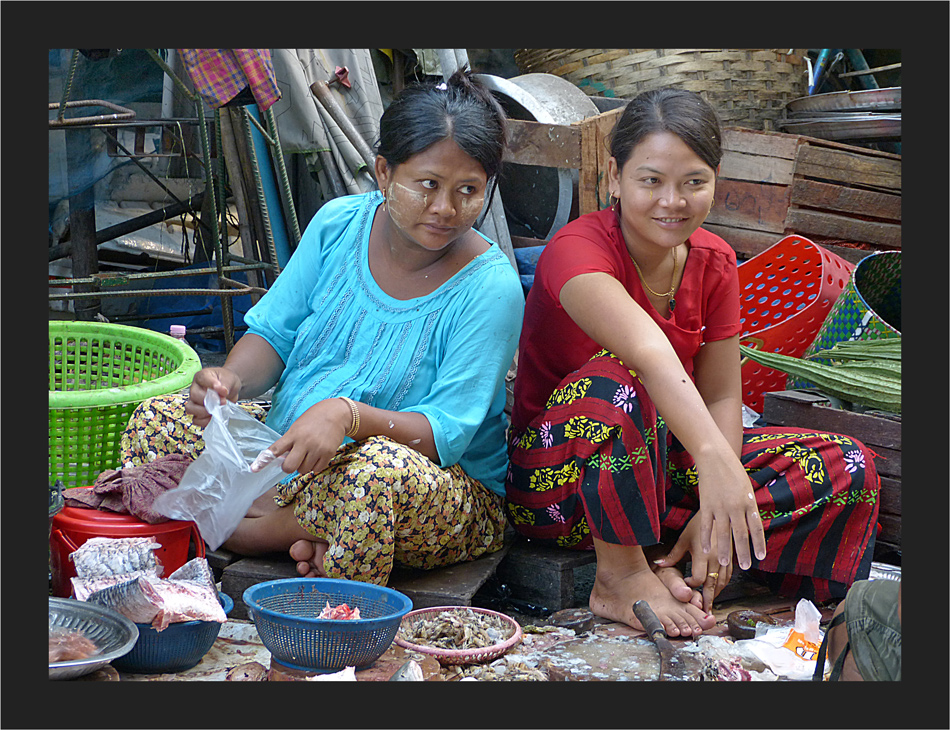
<point>672,281</point>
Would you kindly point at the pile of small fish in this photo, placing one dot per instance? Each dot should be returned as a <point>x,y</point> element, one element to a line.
<point>509,668</point>
<point>458,630</point>
<point>123,574</point>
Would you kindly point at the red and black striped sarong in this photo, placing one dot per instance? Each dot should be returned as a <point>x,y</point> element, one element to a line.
<point>599,462</point>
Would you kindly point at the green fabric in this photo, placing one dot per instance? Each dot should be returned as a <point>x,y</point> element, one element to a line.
<point>874,630</point>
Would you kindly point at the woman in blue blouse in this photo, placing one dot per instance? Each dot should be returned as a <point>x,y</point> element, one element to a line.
<point>388,336</point>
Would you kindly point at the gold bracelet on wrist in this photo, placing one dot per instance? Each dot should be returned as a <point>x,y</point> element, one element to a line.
<point>355,413</point>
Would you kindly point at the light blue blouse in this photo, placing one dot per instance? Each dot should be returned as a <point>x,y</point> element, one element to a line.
<point>444,355</point>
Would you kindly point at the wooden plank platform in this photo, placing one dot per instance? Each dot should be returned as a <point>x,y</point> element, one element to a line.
<point>454,585</point>
<point>540,576</point>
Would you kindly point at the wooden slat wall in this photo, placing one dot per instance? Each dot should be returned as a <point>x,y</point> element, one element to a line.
<point>773,184</point>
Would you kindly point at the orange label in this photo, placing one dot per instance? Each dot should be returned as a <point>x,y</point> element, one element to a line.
<point>803,648</point>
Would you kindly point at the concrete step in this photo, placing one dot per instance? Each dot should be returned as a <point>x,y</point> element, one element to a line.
<point>540,575</point>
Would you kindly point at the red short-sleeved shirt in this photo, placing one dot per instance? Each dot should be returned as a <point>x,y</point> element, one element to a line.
<point>552,345</point>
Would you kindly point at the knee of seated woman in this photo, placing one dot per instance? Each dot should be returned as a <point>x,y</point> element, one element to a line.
<point>384,451</point>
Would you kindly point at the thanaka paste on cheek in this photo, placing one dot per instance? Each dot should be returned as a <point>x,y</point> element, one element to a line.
<point>469,209</point>
<point>405,208</point>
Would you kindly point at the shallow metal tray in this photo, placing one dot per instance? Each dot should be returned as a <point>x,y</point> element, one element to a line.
<point>113,633</point>
<point>845,126</point>
<point>866,100</point>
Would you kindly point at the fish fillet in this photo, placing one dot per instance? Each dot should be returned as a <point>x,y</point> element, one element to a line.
<point>103,557</point>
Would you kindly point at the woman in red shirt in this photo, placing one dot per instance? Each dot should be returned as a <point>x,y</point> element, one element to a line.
<point>626,434</point>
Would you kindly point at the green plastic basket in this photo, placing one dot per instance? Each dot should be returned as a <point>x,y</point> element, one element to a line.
<point>869,308</point>
<point>98,374</point>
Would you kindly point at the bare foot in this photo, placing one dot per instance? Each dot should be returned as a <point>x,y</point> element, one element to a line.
<point>624,577</point>
<point>672,577</point>
<point>676,584</point>
<point>309,556</point>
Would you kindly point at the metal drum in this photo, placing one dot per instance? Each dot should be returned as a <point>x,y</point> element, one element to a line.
<point>539,200</point>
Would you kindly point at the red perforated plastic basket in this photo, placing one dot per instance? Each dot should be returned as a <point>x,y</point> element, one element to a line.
<point>785,294</point>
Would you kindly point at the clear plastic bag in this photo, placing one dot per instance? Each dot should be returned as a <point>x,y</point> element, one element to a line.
<point>791,651</point>
<point>218,488</point>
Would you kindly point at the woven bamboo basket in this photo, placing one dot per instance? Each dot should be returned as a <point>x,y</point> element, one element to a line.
<point>748,87</point>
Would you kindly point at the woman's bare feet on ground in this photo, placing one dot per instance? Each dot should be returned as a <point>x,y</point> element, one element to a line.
<point>672,577</point>
<point>674,581</point>
<point>624,577</point>
<point>309,556</point>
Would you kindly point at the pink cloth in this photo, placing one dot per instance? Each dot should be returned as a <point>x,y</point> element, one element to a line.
<point>219,74</point>
<point>132,490</point>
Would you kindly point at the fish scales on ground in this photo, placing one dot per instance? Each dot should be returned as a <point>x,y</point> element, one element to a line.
<point>103,557</point>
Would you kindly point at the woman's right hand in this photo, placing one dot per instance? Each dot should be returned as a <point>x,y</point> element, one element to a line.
<point>222,381</point>
<point>728,513</point>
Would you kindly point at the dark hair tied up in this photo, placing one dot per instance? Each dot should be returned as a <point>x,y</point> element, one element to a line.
<point>461,109</point>
<point>678,111</point>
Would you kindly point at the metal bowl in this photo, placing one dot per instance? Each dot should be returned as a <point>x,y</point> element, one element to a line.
<point>111,632</point>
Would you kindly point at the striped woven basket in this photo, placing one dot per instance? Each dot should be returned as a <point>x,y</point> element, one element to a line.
<point>749,87</point>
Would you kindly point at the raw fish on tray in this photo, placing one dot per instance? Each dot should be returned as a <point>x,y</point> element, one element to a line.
<point>135,599</point>
<point>143,597</point>
<point>66,645</point>
<point>82,589</point>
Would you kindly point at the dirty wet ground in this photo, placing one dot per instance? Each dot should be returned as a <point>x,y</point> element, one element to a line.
<point>596,651</point>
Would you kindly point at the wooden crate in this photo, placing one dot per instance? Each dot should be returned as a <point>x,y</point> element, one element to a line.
<point>882,435</point>
<point>579,146</point>
<point>844,198</point>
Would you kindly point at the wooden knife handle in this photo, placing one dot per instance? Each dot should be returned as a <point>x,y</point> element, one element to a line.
<point>651,624</point>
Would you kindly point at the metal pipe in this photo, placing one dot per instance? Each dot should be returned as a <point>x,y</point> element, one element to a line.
<point>119,277</point>
<point>282,173</point>
<point>133,224</point>
<point>121,113</point>
<point>856,59</point>
<point>322,92</point>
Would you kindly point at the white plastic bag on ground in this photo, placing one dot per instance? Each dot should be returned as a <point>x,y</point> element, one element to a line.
<point>791,652</point>
<point>219,487</point>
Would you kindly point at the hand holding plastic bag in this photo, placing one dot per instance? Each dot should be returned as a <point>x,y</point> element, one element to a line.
<point>218,488</point>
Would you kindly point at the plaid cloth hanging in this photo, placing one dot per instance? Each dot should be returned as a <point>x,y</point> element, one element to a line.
<point>220,74</point>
